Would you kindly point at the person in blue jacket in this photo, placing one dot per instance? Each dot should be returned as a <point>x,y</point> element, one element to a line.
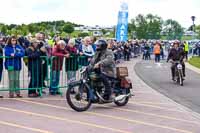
<point>13,64</point>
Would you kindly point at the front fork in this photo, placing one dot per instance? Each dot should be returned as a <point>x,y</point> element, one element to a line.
<point>180,74</point>
<point>91,93</point>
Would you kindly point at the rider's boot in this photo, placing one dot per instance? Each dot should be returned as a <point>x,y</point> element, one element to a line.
<point>106,97</point>
<point>173,78</point>
<point>183,74</point>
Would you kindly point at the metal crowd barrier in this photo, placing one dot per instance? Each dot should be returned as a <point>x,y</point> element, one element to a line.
<point>28,78</point>
<point>63,72</point>
<point>37,74</point>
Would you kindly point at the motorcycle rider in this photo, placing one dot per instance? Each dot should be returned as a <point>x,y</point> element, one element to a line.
<point>104,61</point>
<point>176,54</point>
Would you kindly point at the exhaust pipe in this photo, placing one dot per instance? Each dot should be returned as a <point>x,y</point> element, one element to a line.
<point>118,98</point>
<point>122,97</point>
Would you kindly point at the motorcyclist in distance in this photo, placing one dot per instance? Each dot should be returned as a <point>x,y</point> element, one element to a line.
<point>176,54</point>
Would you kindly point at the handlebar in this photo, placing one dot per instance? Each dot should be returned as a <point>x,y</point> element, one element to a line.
<point>174,62</point>
<point>82,70</point>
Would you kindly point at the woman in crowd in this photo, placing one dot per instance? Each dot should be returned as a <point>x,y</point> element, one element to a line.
<point>72,62</point>
<point>34,67</point>
<point>59,52</point>
<point>86,49</point>
<point>13,64</point>
<point>1,65</point>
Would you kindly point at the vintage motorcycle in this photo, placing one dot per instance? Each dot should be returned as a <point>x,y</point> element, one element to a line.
<point>178,72</point>
<point>90,89</point>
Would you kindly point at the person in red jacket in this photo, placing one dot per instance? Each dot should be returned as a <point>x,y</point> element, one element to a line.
<point>59,52</point>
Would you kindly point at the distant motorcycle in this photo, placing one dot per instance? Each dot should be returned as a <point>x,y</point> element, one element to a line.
<point>178,72</point>
<point>90,89</point>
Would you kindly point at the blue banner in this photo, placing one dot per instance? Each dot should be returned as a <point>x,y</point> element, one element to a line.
<point>122,26</point>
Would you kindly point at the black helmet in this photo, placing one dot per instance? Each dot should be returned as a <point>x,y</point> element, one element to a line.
<point>101,45</point>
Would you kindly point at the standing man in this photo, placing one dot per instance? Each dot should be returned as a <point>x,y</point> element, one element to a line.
<point>198,47</point>
<point>157,51</point>
<point>126,52</point>
<point>186,49</point>
<point>41,38</point>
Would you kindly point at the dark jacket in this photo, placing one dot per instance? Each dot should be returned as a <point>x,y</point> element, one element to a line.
<point>126,49</point>
<point>34,60</point>
<point>106,60</point>
<point>176,54</point>
<point>14,62</point>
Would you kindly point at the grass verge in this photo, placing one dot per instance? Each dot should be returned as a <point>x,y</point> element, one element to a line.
<point>195,61</point>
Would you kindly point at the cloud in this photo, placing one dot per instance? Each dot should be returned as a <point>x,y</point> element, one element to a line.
<point>180,10</point>
<point>95,12</point>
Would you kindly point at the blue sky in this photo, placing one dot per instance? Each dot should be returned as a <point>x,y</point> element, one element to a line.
<point>95,12</point>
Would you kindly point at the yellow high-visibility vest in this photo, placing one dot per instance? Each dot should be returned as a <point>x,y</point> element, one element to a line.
<point>186,47</point>
<point>50,42</point>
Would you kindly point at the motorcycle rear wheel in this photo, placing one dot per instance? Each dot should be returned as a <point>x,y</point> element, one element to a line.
<point>124,101</point>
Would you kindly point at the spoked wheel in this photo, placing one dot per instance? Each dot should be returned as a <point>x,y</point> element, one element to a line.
<point>124,101</point>
<point>78,97</point>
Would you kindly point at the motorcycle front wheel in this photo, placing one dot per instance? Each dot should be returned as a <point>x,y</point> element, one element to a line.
<point>77,96</point>
<point>180,77</point>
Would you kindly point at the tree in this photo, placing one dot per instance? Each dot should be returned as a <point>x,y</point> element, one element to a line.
<point>173,29</point>
<point>103,31</point>
<point>68,28</point>
<point>12,26</point>
<point>3,29</point>
<point>154,26</point>
<point>141,26</point>
<point>197,29</point>
<point>191,28</point>
<point>132,28</point>
<point>31,28</point>
<point>146,27</point>
<point>83,34</point>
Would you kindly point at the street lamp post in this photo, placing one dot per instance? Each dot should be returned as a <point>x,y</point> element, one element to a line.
<point>193,19</point>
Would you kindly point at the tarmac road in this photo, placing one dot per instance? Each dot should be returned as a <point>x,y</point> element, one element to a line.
<point>158,76</point>
<point>147,112</point>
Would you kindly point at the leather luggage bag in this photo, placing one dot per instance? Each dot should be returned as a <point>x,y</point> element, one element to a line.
<point>122,72</point>
<point>126,83</point>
